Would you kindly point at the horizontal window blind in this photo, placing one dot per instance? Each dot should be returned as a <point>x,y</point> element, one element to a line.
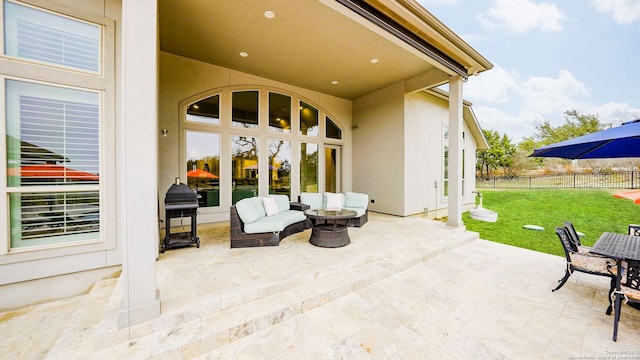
<point>54,214</point>
<point>46,37</point>
<point>68,129</point>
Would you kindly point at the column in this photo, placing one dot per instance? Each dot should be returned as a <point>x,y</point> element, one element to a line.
<point>455,151</point>
<point>137,162</point>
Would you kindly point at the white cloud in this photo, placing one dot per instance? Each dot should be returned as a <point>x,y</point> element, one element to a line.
<point>623,11</point>
<point>519,16</point>
<point>551,95</point>
<point>533,101</point>
<point>515,126</point>
<point>493,86</point>
<point>613,113</point>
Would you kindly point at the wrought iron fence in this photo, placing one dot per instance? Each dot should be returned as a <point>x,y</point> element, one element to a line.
<point>596,180</point>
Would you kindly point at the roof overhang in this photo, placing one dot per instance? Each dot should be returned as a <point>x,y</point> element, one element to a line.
<point>323,45</point>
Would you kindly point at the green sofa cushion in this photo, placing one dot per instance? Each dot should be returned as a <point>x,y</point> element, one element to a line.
<point>282,201</point>
<point>314,200</point>
<point>356,200</point>
<point>248,212</point>
<point>275,223</point>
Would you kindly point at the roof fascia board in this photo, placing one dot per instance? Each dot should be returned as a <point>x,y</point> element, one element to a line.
<point>383,21</point>
<point>436,29</point>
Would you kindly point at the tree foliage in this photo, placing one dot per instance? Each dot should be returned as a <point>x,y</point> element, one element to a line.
<point>499,155</point>
<point>576,124</point>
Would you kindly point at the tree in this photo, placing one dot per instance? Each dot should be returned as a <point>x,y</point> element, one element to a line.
<point>575,125</point>
<point>499,155</point>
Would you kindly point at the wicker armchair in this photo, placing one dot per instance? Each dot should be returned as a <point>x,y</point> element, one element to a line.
<point>627,291</point>
<point>594,265</point>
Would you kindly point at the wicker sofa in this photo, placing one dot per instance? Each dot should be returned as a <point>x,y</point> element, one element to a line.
<point>349,201</point>
<point>254,222</point>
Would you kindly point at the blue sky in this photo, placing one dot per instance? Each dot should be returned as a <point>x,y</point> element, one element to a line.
<point>548,57</point>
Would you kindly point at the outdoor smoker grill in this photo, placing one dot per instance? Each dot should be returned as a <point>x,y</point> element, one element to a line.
<point>180,202</point>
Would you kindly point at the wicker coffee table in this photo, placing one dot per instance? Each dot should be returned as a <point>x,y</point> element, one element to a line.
<point>329,227</point>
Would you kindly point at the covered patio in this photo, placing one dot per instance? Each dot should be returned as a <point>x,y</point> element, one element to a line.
<point>405,288</point>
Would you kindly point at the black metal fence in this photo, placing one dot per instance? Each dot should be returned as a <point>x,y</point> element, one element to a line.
<point>596,180</point>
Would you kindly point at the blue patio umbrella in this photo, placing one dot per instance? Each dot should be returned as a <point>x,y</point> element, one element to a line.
<point>619,142</point>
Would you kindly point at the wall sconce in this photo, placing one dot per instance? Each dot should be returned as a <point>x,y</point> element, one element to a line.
<point>354,128</point>
<point>165,132</point>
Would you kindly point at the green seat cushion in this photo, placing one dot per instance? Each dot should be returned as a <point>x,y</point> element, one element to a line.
<point>247,210</point>
<point>359,211</point>
<point>275,223</point>
<point>314,200</point>
<point>282,201</point>
<point>356,200</point>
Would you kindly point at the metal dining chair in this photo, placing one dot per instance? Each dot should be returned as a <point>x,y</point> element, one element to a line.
<point>594,265</point>
<point>627,291</point>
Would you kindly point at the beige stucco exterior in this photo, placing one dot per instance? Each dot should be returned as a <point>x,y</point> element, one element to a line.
<point>392,126</point>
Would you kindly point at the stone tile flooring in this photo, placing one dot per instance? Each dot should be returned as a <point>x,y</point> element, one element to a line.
<point>405,288</point>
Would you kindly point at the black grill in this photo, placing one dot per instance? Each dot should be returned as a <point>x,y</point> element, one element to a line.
<point>180,202</point>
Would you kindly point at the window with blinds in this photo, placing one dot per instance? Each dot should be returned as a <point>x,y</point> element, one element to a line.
<point>53,143</point>
<point>45,37</point>
<point>53,131</point>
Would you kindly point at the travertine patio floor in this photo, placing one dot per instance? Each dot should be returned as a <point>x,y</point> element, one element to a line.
<point>405,288</point>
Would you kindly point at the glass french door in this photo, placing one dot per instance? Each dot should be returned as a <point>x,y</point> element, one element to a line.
<point>332,168</point>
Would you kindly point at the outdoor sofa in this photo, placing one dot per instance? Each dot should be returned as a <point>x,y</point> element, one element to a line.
<point>357,202</point>
<point>265,221</point>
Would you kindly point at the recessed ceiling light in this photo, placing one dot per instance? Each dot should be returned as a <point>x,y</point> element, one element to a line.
<point>374,61</point>
<point>335,82</point>
<point>243,54</point>
<point>269,14</point>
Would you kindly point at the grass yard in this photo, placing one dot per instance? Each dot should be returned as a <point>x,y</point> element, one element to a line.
<point>592,212</point>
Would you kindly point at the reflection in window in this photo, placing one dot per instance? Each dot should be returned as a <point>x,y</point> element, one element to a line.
<point>280,167</point>
<point>53,141</point>
<point>49,38</point>
<point>308,167</point>
<point>53,217</point>
<point>308,119</point>
<point>333,131</point>
<point>206,111</point>
<point>203,166</point>
<point>244,109</point>
<point>244,167</point>
<point>279,113</point>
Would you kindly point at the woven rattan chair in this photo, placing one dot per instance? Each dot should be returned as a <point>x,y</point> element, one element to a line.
<point>627,292</point>
<point>594,265</point>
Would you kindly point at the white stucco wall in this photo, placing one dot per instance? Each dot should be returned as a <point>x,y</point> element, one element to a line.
<point>398,152</point>
<point>425,119</point>
<point>379,149</point>
<point>182,78</point>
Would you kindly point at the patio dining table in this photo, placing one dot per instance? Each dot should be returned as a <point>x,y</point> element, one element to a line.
<point>619,247</point>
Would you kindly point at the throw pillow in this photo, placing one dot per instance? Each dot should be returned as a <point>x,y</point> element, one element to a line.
<point>270,206</point>
<point>334,201</point>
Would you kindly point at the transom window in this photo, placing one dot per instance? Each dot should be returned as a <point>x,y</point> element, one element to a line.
<point>51,38</point>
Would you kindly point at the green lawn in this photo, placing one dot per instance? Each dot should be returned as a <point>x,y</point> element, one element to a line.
<point>592,212</point>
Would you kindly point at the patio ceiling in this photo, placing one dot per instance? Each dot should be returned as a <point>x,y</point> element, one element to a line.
<point>308,43</point>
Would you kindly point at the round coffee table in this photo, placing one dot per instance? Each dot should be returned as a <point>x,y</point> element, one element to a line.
<point>329,227</point>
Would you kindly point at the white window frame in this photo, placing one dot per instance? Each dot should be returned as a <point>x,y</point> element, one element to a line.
<point>60,76</point>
